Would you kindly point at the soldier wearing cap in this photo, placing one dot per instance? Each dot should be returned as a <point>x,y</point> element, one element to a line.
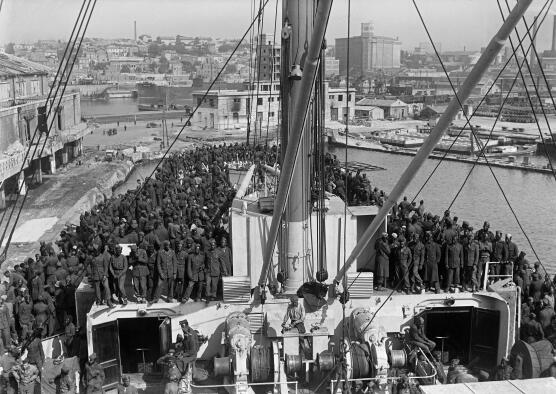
<point>382,261</point>
<point>167,271</point>
<point>138,260</point>
<point>118,268</point>
<point>190,343</point>
<point>94,375</point>
<point>195,273</point>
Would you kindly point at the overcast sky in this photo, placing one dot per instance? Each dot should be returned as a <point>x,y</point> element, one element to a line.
<point>455,23</point>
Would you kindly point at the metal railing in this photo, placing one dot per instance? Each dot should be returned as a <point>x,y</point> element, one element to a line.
<point>241,386</point>
<point>488,276</point>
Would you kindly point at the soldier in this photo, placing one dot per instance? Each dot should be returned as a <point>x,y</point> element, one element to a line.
<point>27,377</point>
<point>195,273</point>
<point>152,279</point>
<point>94,375</point>
<point>226,255</point>
<point>214,270</point>
<point>118,269</point>
<point>418,252</point>
<point>432,259</point>
<point>404,262</point>
<point>5,340</point>
<point>98,273</point>
<point>382,261</point>
<point>167,271</point>
<point>138,259</point>
<point>181,263</point>
<point>470,262</point>
<point>453,259</point>
<point>24,315</point>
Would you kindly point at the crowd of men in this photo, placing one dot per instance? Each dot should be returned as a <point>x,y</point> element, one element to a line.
<point>176,226</point>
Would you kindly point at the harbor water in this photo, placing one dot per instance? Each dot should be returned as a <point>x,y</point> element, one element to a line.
<point>531,195</point>
<point>116,106</point>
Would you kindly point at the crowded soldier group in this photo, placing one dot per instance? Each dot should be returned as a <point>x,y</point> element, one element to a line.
<point>422,251</point>
<point>176,224</point>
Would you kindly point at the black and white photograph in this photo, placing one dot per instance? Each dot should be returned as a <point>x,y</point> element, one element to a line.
<point>277,196</point>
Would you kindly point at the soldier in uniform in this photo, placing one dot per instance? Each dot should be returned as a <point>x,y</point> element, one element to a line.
<point>118,269</point>
<point>404,262</point>
<point>181,263</point>
<point>98,273</point>
<point>214,269</point>
<point>453,260</point>
<point>432,259</point>
<point>195,273</point>
<point>138,259</point>
<point>167,271</point>
<point>94,375</point>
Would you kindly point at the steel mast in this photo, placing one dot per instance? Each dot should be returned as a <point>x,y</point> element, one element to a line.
<point>300,20</point>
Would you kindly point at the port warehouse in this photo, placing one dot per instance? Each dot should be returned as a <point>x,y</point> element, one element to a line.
<point>23,90</point>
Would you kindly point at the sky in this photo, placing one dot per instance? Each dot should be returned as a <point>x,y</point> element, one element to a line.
<point>457,24</point>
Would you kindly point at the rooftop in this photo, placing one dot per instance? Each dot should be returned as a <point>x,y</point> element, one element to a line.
<point>380,102</point>
<point>12,66</point>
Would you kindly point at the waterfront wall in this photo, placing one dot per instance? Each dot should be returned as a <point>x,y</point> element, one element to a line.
<point>97,194</point>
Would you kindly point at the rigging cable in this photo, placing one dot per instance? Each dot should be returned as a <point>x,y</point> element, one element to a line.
<point>485,145</point>
<point>250,99</point>
<point>345,295</point>
<point>175,139</point>
<point>400,281</point>
<point>520,43</point>
<point>535,86</point>
<point>272,71</point>
<point>258,122</point>
<point>5,251</point>
<point>55,86</point>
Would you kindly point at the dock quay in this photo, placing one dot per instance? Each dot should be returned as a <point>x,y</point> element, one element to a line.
<point>136,117</point>
<point>494,162</point>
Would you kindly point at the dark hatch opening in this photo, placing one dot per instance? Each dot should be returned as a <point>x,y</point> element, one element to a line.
<point>472,333</point>
<point>137,334</point>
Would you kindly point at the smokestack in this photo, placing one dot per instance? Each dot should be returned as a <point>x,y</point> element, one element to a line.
<point>534,35</point>
<point>135,30</point>
<point>553,49</point>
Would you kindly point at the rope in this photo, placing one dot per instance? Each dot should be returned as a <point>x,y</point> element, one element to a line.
<point>204,96</point>
<point>52,88</point>
<point>475,111</point>
<point>534,85</point>
<point>4,253</point>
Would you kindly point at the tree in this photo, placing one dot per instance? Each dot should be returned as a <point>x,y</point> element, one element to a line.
<point>163,65</point>
<point>10,48</point>
<point>188,67</point>
<point>154,50</point>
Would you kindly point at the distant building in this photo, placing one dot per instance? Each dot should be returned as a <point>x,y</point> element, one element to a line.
<point>368,112</point>
<point>368,52</point>
<point>127,64</point>
<point>394,109</point>
<point>229,109</point>
<point>339,103</point>
<point>23,89</point>
<point>267,63</point>
<point>433,112</point>
<point>331,67</point>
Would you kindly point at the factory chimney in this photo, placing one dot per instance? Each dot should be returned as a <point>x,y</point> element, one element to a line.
<point>553,49</point>
<point>135,30</point>
<point>534,36</point>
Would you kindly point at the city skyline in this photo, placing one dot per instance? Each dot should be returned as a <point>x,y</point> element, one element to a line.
<point>477,21</point>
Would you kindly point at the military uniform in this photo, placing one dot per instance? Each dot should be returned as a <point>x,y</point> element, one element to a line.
<point>195,274</point>
<point>167,270</point>
<point>140,272</point>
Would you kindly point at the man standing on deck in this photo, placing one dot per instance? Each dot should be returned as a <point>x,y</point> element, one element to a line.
<point>453,260</point>
<point>470,262</point>
<point>382,261</point>
<point>118,269</point>
<point>418,252</point>
<point>215,270</point>
<point>167,271</point>
<point>138,260</point>
<point>404,263</point>
<point>98,273</point>
<point>432,259</point>
<point>195,273</point>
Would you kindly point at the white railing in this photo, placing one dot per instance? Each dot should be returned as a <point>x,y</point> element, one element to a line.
<point>489,276</point>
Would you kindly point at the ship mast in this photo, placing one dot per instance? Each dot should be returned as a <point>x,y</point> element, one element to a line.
<point>303,29</point>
